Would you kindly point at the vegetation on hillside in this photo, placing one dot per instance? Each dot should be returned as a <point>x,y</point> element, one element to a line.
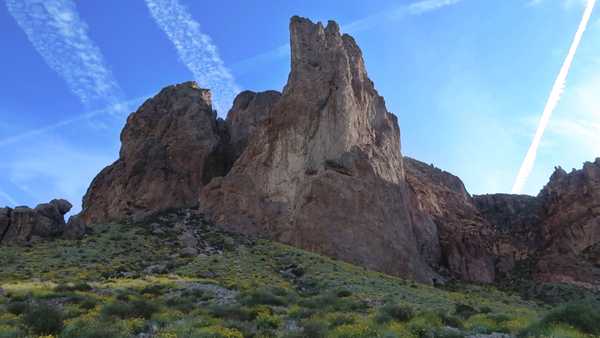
<point>130,281</point>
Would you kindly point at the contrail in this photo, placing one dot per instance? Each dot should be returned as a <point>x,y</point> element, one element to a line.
<point>196,50</point>
<point>122,106</point>
<point>553,99</point>
<point>60,36</point>
<point>8,198</point>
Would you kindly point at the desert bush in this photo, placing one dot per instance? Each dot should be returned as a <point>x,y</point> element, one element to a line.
<point>17,307</point>
<point>93,329</point>
<point>267,321</point>
<point>464,311</point>
<point>314,328</point>
<point>582,316</point>
<point>397,312</point>
<point>82,286</point>
<point>266,296</point>
<point>134,309</point>
<point>425,324</point>
<point>233,312</point>
<point>43,319</point>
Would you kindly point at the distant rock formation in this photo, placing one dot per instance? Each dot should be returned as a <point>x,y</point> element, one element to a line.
<point>324,171</point>
<point>559,230</point>
<point>22,224</point>
<point>516,219</point>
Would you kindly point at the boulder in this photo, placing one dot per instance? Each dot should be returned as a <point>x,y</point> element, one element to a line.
<point>169,151</point>
<point>324,171</point>
<point>22,224</point>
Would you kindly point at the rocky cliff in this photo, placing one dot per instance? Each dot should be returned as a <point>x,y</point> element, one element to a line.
<point>324,171</point>
<point>319,166</point>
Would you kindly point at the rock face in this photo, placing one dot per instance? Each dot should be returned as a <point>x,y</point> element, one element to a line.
<point>466,237</point>
<point>23,224</point>
<point>249,111</point>
<point>170,149</point>
<point>517,220</point>
<point>324,171</point>
<point>571,226</point>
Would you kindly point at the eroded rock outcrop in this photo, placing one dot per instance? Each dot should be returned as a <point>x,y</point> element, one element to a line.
<point>324,171</point>
<point>170,149</point>
<point>571,226</point>
<point>23,224</point>
<point>466,238</point>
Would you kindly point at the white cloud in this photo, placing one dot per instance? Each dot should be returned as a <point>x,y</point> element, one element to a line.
<point>196,50</point>
<point>59,35</point>
<point>51,168</point>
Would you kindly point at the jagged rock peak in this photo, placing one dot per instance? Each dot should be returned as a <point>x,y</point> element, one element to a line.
<point>325,171</point>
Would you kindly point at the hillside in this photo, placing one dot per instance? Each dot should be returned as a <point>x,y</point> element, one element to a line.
<point>144,280</point>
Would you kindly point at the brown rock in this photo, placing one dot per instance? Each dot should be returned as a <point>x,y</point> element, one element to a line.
<point>324,171</point>
<point>466,238</point>
<point>22,224</point>
<point>170,149</point>
<point>517,221</point>
<point>4,222</point>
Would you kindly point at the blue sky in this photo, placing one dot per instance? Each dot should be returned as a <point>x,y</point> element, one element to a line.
<point>468,79</point>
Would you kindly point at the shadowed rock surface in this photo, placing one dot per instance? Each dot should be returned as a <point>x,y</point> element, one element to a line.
<point>517,221</point>
<point>22,224</point>
<point>466,238</point>
<point>325,171</point>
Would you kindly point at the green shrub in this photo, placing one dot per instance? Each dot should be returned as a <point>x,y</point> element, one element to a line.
<point>233,312</point>
<point>92,329</point>
<point>584,316</point>
<point>17,308</point>
<point>43,319</point>
<point>464,311</point>
<point>134,309</point>
<point>397,312</point>
<point>425,324</point>
<point>155,290</point>
<point>82,286</point>
<point>267,321</point>
<point>314,328</point>
<point>266,296</point>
